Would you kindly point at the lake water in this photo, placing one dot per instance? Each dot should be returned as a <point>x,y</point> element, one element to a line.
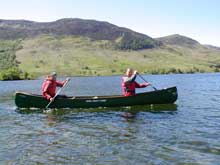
<point>188,133</point>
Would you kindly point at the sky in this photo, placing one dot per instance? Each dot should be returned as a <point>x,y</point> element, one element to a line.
<point>197,19</point>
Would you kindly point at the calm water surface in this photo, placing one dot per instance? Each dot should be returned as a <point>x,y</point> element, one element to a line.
<point>186,133</point>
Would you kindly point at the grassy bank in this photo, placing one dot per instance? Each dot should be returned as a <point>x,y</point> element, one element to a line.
<point>83,56</point>
<point>68,55</point>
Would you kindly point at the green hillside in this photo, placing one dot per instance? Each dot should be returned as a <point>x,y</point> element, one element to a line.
<point>87,47</point>
<point>83,56</point>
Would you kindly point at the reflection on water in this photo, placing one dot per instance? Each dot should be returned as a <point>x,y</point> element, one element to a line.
<point>126,112</point>
<point>187,132</point>
<point>156,108</point>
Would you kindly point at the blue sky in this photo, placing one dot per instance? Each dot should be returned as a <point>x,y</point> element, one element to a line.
<point>198,19</point>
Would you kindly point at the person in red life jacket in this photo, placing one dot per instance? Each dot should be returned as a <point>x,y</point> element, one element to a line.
<point>49,86</point>
<point>129,84</point>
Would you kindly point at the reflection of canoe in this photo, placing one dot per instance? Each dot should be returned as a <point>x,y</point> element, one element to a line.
<point>153,108</point>
<point>163,96</point>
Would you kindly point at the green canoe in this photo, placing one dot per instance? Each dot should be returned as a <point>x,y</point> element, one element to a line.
<point>163,96</point>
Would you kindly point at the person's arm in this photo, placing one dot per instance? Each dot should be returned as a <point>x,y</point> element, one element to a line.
<point>45,91</point>
<point>60,84</point>
<point>47,96</point>
<point>141,85</point>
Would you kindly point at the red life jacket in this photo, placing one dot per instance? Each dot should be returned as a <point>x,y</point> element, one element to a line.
<point>49,88</point>
<point>129,88</point>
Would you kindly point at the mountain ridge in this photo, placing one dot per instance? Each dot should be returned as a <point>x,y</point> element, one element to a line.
<point>123,38</point>
<point>94,29</point>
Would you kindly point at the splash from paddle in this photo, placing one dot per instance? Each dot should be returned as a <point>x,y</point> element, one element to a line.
<point>58,92</point>
<point>147,82</point>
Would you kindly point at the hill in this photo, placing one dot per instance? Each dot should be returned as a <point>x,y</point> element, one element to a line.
<point>122,38</point>
<point>179,40</point>
<point>82,56</point>
<point>211,47</point>
<point>89,47</point>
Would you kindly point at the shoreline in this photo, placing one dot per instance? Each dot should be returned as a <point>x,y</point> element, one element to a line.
<point>93,75</point>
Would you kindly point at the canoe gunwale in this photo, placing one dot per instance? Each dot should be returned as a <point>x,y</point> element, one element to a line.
<point>96,97</point>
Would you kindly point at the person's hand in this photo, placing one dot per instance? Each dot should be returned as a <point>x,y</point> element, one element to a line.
<point>67,79</point>
<point>135,72</point>
<point>147,84</point>
<point>51,99</point>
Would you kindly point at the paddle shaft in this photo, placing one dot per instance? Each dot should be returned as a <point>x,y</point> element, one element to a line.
<point>146,82</point>
<point>57,93</point>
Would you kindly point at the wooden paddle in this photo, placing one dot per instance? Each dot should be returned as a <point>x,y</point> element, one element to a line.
<point>147,82</point>
<point>68,79</point>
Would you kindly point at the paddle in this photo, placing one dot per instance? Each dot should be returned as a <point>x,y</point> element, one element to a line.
<point>68,79</point>
<point>146,81</point>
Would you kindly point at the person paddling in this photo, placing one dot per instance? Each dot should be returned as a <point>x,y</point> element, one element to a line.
<point>129,84</point>
<point>49,86</point>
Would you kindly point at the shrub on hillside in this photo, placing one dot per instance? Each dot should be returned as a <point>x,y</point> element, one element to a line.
<point>130,42</point>
<point>10,74</point>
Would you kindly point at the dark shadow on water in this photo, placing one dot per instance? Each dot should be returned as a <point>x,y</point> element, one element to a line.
<point>162,108</point>
<point>28,111</point>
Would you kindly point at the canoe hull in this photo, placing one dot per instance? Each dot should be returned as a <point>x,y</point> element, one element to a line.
<point>163,96</point>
